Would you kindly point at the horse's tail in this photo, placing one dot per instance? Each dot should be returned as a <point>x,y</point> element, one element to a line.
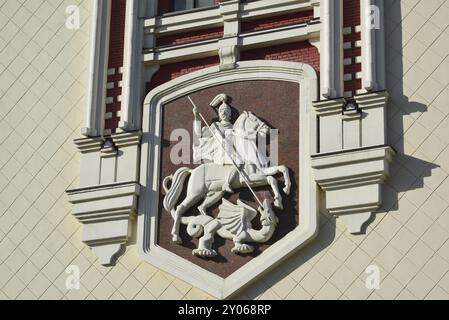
<point>173,192</point>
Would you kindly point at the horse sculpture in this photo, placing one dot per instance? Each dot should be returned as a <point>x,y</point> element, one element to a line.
<point>205,183</point>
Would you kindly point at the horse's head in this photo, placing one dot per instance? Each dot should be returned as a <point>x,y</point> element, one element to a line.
<point>254,124</point>
<point>267,216</point>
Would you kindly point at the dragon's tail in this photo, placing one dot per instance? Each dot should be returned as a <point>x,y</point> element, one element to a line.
<point>173,192</point>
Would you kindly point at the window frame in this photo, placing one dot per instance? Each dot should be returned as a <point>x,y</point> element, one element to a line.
<point>192,5</point>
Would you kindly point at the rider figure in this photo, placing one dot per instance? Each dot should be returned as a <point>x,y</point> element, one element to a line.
<point>209,148</point>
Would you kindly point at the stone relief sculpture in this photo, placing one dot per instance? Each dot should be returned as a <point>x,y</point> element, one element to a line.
<point>230,160</point>
<point>234,222</point>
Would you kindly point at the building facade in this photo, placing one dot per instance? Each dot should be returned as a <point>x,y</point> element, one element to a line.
<point>92,96</point>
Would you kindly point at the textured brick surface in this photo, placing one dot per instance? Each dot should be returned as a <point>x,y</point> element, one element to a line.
<point>191,36</point>
<point>352,20</point>
<point>296,52</point>
<point>42,100</point>
<point>277,21</point>
<point>175,70</point>
<point>116,52</point>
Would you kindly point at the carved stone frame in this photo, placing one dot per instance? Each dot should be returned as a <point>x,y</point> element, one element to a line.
<point>300,73</point>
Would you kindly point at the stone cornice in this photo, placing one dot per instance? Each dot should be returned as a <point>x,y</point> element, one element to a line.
<point>126,139</point>
<point>328,107</point>
<point>88,145</point>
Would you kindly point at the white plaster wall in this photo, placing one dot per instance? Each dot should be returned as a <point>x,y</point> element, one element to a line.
<point>42,97</point>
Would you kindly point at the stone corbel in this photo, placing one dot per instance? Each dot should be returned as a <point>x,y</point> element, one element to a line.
<point>352,182</point>
<point>105,212</point>
<point>106,200</point>
<point>352,160</point>
<point>229,54</point>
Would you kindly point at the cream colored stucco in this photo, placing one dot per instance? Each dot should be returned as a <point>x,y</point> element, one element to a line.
<point>43,74</point>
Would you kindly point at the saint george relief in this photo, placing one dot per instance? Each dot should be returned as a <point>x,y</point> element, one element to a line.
<point>226,205</point>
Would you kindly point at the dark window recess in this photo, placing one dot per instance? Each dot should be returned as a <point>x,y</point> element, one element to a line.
<point>179,5</point>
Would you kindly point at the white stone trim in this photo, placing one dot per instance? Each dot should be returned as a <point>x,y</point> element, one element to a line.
<point>151,148</point>
<point>352,181</point>
<point>331,49</point>
<point>248,40</point>
<point>373,48</point>
<point>98,71</point>
<point>348,77</point>
<point>132,65</point>
<point>347,61</point>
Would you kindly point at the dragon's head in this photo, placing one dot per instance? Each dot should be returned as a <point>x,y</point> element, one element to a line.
<point>267,216</point>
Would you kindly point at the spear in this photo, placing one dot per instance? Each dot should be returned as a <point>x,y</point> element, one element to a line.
<point>245,179</point>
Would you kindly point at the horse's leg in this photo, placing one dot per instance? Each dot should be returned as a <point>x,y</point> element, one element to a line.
<point>288,182</point>
<point>189,202</point>
<point>286,174</point>
<point>211,199</point>
<point>277,195</point>
<point>258,180</point>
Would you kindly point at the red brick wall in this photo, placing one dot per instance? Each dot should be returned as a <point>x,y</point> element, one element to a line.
<point>172,71</point>
<point>351,13</point>
<point>192,36</point>
<point>352,19</point>
<point>116,48</point>
<point>277,21</point>
<point>295,52</point>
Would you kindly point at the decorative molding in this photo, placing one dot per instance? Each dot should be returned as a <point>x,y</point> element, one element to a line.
<point>151,148</point>
<point>229,56</point>
<point>212,17</point>
<point>275,36</point>
<point>329,107</point>
<point>127,139</point>
<point>88,145</point>
<point>352,181</point>
<point>105,212</point>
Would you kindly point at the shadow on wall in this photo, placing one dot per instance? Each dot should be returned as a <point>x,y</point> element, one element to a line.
<point>407,172</point>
